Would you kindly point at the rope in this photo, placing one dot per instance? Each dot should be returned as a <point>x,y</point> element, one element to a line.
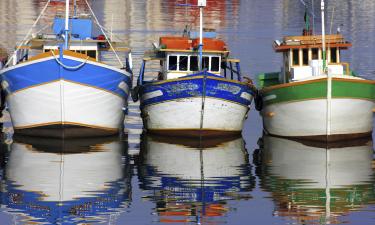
<point>69,67</point>
<point>105,35</point>
<point>28,33</point>
<point>203,100</point>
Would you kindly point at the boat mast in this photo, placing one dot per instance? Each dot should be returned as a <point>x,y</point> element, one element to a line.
<point>323,38</point>
<point>201,5</point>
<point>66,24</point>
<point>329,77</point>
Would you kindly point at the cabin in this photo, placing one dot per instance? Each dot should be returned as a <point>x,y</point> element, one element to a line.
<point>303,56</point>
<point>178,56</point>
<point>182,58</point>
<point>82,40</point>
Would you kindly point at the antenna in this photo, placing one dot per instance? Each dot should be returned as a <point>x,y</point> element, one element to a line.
<point>66,23</point>
<point>75,8</point>
<point>201,5</point>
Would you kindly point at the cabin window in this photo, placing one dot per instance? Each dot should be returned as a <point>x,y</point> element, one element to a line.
<point>305,56</point>
<point>295,57</point>
<point>194,63</point>
<point>47,50</point>
<point>205,63</point>
<point>334,55</point>
<point>215,64</point>
<point>183,63</point>
<point>172,62</point>
<point>91,53</point>
<point>315,53</point>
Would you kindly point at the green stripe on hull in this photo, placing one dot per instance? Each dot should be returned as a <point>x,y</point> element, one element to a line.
<point>318,90</point>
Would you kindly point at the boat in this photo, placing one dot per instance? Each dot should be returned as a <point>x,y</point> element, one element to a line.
<point>316,96</point>
<point>198,90</point>
<point>71,181</point>
<point>315,184</point>
<point>194,182</point>
<point>59,80</point>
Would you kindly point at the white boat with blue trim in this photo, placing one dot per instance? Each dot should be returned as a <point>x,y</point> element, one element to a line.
<point>59,80</point>
<point>198,91</point>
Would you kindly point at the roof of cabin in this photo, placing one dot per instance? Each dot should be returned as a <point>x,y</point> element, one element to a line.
<point>311,41</point>
<point>156,56</point>
<point>38,43</point>
<point>185,44</point>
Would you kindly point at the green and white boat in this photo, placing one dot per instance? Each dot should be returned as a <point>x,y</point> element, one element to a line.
<point>312,98</point>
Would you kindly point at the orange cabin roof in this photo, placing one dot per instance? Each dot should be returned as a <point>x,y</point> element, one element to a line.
<point>184,43</point>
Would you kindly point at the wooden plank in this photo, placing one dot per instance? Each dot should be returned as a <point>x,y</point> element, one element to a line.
<point>153,59</point>
<point>282,48</point>
<point>180,50</point>
<point>232,60</point>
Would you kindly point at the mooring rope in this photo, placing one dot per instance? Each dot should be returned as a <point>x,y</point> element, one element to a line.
<point>69,67</point>
<point>28,33</point>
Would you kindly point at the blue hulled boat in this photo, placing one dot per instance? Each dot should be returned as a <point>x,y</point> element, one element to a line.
<point>198,90</point>
<point>58,80</point>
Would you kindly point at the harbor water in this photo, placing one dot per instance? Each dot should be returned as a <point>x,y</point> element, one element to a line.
<point>141,179</point>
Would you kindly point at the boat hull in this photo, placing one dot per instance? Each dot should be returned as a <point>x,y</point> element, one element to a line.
<point>300,110</point>
<point>175,107</point>
<point>42,95</point>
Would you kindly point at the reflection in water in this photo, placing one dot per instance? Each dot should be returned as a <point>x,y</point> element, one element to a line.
<point>71,181</point>
<point>192,184</point>
<point>312,184</point>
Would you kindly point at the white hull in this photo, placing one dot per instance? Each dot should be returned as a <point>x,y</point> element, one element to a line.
<point>185,114</point>
<point>64,177</point>
<point>64,102</point>
<point>186,163</point>
<point>293,160</point>
<point>308,118</point>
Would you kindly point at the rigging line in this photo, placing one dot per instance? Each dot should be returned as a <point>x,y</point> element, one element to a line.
<point>109,42</point>
<point>28,33</point>
<point>106,29</point>
<point>313,13</point>
<point>333,13</point>
<point>306,5</point>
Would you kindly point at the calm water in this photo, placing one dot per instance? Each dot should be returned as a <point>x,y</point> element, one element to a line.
<point>155,180</point>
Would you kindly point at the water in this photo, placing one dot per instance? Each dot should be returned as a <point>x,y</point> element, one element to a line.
<point>153,180</point>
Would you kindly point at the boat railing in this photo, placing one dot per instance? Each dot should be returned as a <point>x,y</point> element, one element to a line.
<point>227,64</point>
<point>345,65</point>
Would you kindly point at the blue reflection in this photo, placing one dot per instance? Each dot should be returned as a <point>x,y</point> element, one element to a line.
<point>191,181</point>
<point>67,181</point>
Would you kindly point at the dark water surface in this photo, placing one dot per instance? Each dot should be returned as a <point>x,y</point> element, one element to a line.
<point>156,180</point>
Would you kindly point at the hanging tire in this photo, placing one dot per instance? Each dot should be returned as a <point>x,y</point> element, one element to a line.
<point>135,93</point>
<point>258,102</point>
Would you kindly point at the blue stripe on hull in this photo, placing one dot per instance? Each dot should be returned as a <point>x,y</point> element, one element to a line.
<point>47,71</point>
<point>193,87</point>
<point>31,203</point>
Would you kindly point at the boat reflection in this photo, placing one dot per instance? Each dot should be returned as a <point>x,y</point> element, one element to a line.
<point>315,184</point>
<point>53,181</point>
<point>193,182</point>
